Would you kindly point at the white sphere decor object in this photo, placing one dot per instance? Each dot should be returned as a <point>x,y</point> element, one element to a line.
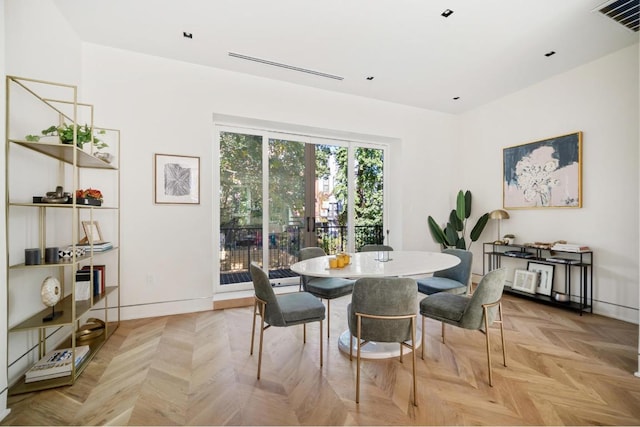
<point>50,291</point>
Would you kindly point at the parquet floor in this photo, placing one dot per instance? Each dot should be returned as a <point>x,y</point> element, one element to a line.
<point>195,369</point>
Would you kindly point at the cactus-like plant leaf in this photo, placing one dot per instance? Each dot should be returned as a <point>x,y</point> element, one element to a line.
<point>451,235</point>
<point>467,204</point>
<point>479,227</point>
<point>461,244</point>
<point>455,222</point>
<point>460,206</point>
<point>436,231</point>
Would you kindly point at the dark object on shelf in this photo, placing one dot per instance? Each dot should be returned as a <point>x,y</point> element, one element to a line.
<point>57,196</point>
<point>519,254</point>
<point>32,256</point>
<point>54,314</point>
<point>86,201</point>
<point>37,199</point>
<point>51,255</point>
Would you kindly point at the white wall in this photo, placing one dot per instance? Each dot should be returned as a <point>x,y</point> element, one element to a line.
<point>601,100</point>
<point>164,106</point>
<point>3,268</point>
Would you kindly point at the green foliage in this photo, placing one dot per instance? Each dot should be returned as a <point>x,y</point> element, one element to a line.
<point>453,234</point>
<point>84,134</point>
<point>368,186</point>
<point>241,181</point>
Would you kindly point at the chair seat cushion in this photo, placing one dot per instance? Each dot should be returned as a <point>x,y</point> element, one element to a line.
<point>433,285</point>
<point>329,287</point>
<point>444,306</point>
<point>300,307</point>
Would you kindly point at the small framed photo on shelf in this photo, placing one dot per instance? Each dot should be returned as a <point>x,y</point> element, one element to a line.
<point>525,281</point>
<point>545,284</point>
<point>177,179</point>
<point>92,232</point>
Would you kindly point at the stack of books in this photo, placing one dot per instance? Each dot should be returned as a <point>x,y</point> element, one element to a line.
<point>570,247</point>
<point>55,364</point>
<point>83,276</point>
<point>97,247</point>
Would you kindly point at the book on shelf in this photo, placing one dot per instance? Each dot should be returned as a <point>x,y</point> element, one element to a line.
<point>98,277</point>
<point>55,364</point>
<point>97,247</point>
<point>563,260</point>
<point>519,254</point>
<point>570,247</point>
<point>84,275</point>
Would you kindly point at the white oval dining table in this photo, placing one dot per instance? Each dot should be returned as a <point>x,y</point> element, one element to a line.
<point>370,264</point>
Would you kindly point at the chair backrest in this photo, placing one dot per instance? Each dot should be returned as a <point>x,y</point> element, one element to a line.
<point>264,291</point>
<point>386,296</point>
<point>375,248</point>
<point>461,272</point>
<point>308,253</point>
<point>489,290</point>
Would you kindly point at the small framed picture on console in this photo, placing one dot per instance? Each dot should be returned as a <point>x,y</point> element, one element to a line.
<point>525,281</point>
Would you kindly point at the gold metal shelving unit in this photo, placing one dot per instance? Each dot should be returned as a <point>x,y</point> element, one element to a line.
<point>105,305</point>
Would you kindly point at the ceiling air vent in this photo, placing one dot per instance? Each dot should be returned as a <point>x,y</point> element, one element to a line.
<point>625,12</point>
<point>287,66</point>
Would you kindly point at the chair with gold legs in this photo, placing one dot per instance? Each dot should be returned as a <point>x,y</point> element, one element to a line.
<point>324,287</point>
<point>477,311</point>
<point>298,308</point>
<point>384,310</point>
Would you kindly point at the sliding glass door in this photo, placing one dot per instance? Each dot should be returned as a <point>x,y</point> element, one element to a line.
<point>282,192</point>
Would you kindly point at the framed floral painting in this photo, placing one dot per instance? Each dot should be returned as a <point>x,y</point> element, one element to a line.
<point>544,174</point>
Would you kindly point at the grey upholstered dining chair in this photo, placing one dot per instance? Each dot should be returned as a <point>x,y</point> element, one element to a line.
<point>477,311</point>
<point>383,310</point>
<point>282,310</point>
<point>454,280</point>
<point>375,248</point>
<point>324,287</point>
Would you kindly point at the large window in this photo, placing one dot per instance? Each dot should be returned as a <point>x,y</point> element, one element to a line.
<point>281,192</point>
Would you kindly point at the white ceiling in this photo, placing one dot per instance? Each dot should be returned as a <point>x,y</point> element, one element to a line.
<point>486,49</point>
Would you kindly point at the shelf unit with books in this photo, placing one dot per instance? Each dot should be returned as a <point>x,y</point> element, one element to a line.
<point>579,260</point>
<point>33,166</point>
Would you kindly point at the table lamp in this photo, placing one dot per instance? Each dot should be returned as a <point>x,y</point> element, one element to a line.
<point>499,214</point>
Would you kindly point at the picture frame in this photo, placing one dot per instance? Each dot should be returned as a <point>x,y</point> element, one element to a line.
<point>177,179</point>
<point>91,230</point>
<point>525,281</point>
<point>546,271</point>
<point>543,174</point>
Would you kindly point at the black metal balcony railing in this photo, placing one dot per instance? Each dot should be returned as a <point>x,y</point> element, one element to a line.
<point>240,246</point>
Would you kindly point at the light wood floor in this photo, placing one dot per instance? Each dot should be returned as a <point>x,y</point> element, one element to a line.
<point>195,369</point>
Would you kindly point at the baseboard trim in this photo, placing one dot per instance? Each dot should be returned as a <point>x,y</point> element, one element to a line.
<point>232,303</point>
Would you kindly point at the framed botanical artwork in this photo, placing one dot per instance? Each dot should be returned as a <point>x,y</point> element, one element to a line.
<point>545,284</point>
<point>177,179</point>
<point>543,174</point>
<point>525,281</point>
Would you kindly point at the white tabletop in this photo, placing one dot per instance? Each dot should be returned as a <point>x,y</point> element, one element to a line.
<point>366,264</point>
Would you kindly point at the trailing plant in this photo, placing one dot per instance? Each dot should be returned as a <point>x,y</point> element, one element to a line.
<point>84,134</point>
<point>453,234</point>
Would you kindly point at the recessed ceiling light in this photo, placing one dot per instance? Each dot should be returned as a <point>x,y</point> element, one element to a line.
<point>447,13</point>
<point>370,78</point>
<point>455,98</point>
<point>187,35</point>
<point>550,53</point>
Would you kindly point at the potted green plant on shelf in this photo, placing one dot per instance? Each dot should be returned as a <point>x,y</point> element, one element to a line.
<point>453,234</point>
<point>84,134</point>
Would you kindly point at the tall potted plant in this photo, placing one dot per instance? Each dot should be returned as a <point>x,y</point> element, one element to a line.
<point>453,234</point>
